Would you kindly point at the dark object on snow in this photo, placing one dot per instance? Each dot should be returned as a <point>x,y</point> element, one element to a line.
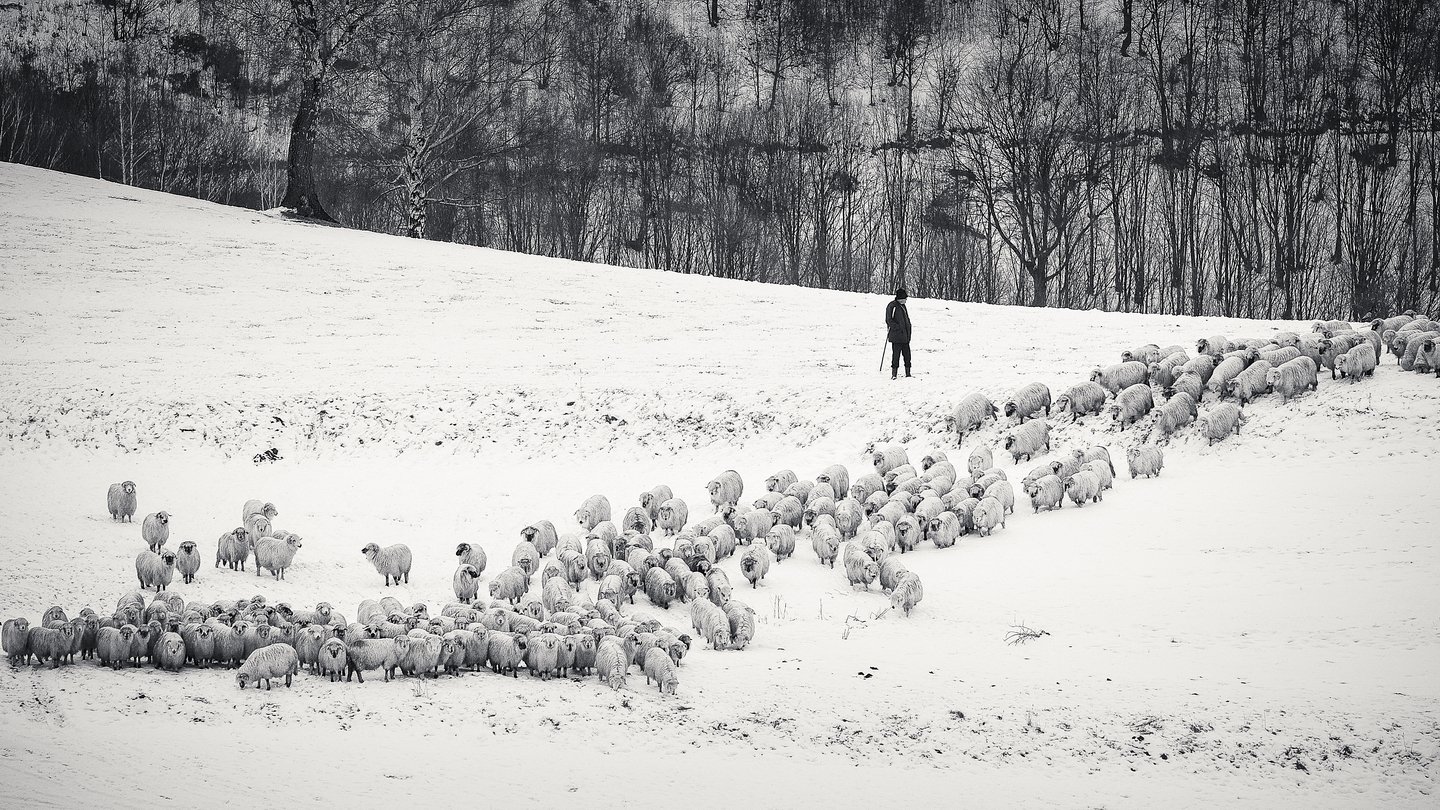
<point>897,326</point>
<point>271,455</point>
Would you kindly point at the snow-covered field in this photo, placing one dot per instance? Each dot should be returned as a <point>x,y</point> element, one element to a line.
<point>1258,627</point>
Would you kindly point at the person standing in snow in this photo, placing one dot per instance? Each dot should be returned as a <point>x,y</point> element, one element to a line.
<point>897,322</point>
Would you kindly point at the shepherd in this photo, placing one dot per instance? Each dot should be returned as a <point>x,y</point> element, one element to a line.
<point>897,324</point>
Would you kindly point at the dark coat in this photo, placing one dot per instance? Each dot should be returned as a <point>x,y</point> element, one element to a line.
<point>897,322</point>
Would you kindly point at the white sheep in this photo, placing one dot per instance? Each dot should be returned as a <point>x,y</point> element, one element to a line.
<point>120,501</point>
<point>541,534</point>
<point>1177,412</point>
<point>755,562</point>
<point>659,668</point>
<point>1188,383</point>
<point>610,663</point>
<point>1082,400</point>
<point>155,570</point>
<point>1215,345</point>
<point>1146,354</point>
<point>780,481</point>
<point>595,509</point>
<point>169,652</point>
<point>1277,356</point>
<point>891,567</point>
<point>637,519</point>
<point>711,623</point>
<point>651,500</point>
<point>1028,400</point>
<point>944,529</point>
<point>597,558</point>
<point>155,530</point>
<point>889,458</point>
<point>781,542</point>
<point>1218,423</point>
<point>660,587</point>
<point>187,562</point>
<point>673,516</point>
<point>505,652</point>
<point>980,460</point>
<point>15,639</point>
<point>1357,363</point>
<point>860,568</point>
<point>970,414</point>
<point>258,527</point>
<point>271,661</point>
<point>826,543</point>
<point>988,514</point>
<point>1120,376</point>
<point>1429,355</point>
<point>1131,404</point>
<point>466,583</point>
<point>907,593</point>
<point>275,555</point>
<point>1002,492</point>
<point>932,458</point>
<point>1294,377</point>
<point>1028,440</point>
<point>513,583</point>
<point>51,643</point>
<point>1163,371</point>
<point>367,654</point>
<point>1250,384</point>
<point>233,549</point>
<point>1046,492</point>
<point>1227,370</point>
<point>1103,471</point>
<point>1084,486</point>
<point>332,659</point>
<point>836,475</point>
<point>909,531</point>
<point>392,562</point>
<point>725,488</point>
<point>742,624</point>
<point>472,555</point>
<point>1333,348</point>
<point>112,645</point>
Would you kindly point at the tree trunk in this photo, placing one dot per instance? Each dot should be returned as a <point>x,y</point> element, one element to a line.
<point>301,193</point>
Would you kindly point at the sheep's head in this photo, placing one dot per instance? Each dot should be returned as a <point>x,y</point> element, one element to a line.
<point>243,678</point>
<point>168,558</point>
<point>582,517</point>
<point>187,547</point>
<point>1009,442</point>
<point>163,517</point>
<point>128,487</point>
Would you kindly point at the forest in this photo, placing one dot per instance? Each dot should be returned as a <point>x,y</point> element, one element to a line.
<point>1246,158</point>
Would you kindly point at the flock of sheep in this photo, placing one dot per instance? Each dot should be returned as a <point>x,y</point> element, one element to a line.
<point>866,524</point>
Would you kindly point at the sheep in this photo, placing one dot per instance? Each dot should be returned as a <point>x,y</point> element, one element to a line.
<point>1084,486</point>
<point>660,587</point>
<point>1028,440</point>
<point>1277,356</point>
<point>1214,346</point>
<point>652,500</point>
<point>276,555</point>
<point>725,488</point>
<point>889,458</point>
<point>595,509</point>
<point>307,646</point>
<point>1146,354</point>
<point>1117,378</point>
<point>860,568</point>
<point>1412,350</point>
<point>1429,355</point>
<point>1217,423</point>
<point>233,549</point>
<point>1177,412</point>
<point>1293,377</point>
<point>780,480</point>
<point>788,511</point>
<point>674,513</point>
<point>542,655</point>
<point>366,654</point>
<point>472,556</point>
<point>1028,400</point>
<point>258,527</point>
<point>755,563</point>
<point>466,583</point>
<point>725,541</point>
<point>781,542</point>
<point>891,568</point>
<point>1163,371</point>
<point>556,595</point>
<point>1250,384</point>
<point>1188,383</point>
<point>541,534</point>
<point>711,623</point>
<point>187,562</point>
<point>155,570</point>
<point>155,530</point>
<point>944,529</point>
<point>980,460</point>
<point>1357,363</point>
<point>392,562</point>
<point>638,520</point>
<point>907,593</point>
<point>112,645</point>
<point>333,659</point>
<point>170,652</point>
<point>424,654</point>
<point>970,414</point>
<point>15,638</point>
<point>659,668</point>
<point>1202,366</point>
<point>826,543</point>
<point>1002,492</point>
<point>526,557</point>
<point>717,582</point>
<point>1103,471</point>
<point>610,663</point>
<point>988,514</point>
<point>511,584</point>
<point>1227,370</point>
<point>1046,492</point>
<point>1131,404</point>
<point>266,663</point>
<point>1082,400</point>
<point>908,532</point>
<point>836,475</point>
<point>120,501</point>
<point>1332,349</point>
<point>741,618</point>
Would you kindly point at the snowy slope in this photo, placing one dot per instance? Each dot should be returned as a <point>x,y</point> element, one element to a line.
<point>1257,627</point>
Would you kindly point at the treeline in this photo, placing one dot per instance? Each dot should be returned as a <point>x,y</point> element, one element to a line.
<point>1252,158</point>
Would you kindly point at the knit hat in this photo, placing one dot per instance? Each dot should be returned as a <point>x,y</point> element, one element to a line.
<point>900,293</point>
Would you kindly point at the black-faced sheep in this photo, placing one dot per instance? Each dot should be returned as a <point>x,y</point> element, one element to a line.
<point>187,562</point>
<point>1028,400</point>
<point>474,556</point>
<point>155,570</point>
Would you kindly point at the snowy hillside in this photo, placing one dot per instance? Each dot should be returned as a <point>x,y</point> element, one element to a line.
<point>1257,627</point>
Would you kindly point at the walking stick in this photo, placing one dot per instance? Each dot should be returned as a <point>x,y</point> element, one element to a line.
<point>883,346</point>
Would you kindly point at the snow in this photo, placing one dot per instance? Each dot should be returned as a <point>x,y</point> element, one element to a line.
<point>1258,627</point>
